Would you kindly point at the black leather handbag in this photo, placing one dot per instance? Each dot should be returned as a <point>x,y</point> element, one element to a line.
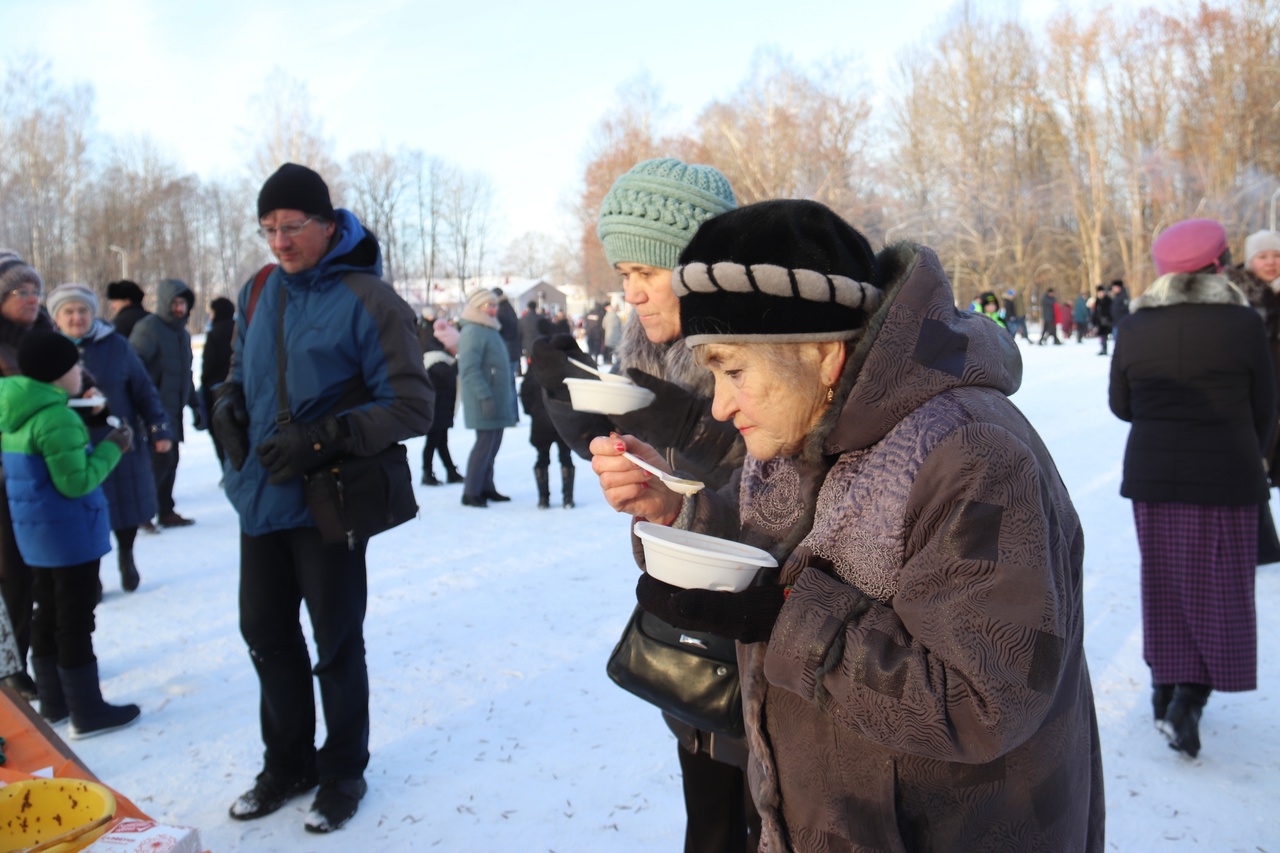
<point>690,675</point>
<point>358,497</point>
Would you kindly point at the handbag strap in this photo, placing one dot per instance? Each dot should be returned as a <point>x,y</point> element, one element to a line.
<point>283,416</point>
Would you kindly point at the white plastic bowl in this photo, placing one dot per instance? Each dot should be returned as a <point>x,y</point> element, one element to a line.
<point>696,561</point>
<point>607,398</point>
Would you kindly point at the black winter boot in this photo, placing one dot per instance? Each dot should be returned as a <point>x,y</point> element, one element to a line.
<point>90,715</point>
<point>566,479</point>
<point>1161,694</point>
<point>1182,719</point>
<point>53,704</point>
<point>129,577</point>
<point>542,476</point>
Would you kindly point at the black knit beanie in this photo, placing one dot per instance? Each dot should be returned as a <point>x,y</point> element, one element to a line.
<point>295,187</point>
<point>785,271</point>
<point>46,356</point>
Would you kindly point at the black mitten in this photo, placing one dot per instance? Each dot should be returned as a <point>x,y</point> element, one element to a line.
<point>549,364</point>
<point>299,448</point>
<point>672,417</point>
<point>229,422</point>
<point>746,616</point>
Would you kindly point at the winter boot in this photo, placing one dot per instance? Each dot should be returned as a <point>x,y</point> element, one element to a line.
<point>542,476</point>
<point>1161,694</point>
<point>128,571</point>
<point>1182,719</point>
<point>53,704</point>
<point>429,477</point>
<point>566,480</point>
<point>453,475</point>
<point>90,715</point>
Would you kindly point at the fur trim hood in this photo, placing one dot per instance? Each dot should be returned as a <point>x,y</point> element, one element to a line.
<point>1190,289</point>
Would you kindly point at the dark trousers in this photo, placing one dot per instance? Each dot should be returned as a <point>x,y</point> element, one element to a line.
<point>62,623</point>
<point>15,578</point>
<point>206,402</point>
<point>278,572</point>
<point>722,817</point>
<point>165,468</point>
<point>1103,334</point>
<point>480,463</point>
<point>544,454</point>
<point>437,443</point>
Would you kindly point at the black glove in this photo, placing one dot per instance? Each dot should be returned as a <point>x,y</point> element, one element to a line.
<point>230,422</point>
<point>672,417</point>
<point>746,616</point>
<point>121,437</point>
<point>488,409</point>
<point>549,364</point>
<point>299,448</point>
<point>197,418</point>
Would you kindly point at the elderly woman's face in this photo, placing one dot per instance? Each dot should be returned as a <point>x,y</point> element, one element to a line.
<point>1266,265</point>
<point>74,319</point>
<point>657,306</point>
<point>772,407</point>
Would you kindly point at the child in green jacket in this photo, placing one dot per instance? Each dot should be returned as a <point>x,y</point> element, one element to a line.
<point>60,520</point>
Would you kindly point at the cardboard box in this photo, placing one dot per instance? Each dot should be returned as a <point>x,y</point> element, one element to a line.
<point>145,836</point>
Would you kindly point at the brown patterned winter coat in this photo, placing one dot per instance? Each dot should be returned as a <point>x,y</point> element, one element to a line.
<point>925,686</point>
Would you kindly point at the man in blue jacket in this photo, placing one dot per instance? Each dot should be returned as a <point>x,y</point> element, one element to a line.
<point>355,385</point>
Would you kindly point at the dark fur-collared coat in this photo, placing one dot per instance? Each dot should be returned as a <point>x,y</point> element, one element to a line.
<point>925,685</point>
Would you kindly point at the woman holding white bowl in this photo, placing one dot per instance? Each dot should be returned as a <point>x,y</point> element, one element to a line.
<point>913,675</point>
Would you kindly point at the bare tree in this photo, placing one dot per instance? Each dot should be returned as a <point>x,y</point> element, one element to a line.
<point>283,130</point>
<point>466,206</point>
<point>532,254</point>
<point>376,181</point>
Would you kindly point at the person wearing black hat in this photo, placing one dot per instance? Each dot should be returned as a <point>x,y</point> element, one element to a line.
<point>21,313</point>
<point>356,385</point>
<point>215,362</point>
<point>915,665</point>
<point>125,298</point>
<point>61,522</point>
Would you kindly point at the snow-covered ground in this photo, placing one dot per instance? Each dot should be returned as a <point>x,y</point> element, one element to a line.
<point>494,725</point>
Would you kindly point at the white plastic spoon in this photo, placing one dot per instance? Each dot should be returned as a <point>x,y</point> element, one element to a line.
<point>607,377</point>
<point>679,485</point>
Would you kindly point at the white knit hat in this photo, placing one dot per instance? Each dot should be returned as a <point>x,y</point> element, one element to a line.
<point>1260,241</point>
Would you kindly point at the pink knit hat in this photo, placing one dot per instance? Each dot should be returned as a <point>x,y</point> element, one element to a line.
<point>445,333</point>
<point>1190,245</point>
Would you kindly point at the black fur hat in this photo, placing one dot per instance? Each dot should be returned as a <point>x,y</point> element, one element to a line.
<point>781,271</point>
<point>125,289</point>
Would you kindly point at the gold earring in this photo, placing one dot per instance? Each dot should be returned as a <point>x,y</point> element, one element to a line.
<point>831,395</point>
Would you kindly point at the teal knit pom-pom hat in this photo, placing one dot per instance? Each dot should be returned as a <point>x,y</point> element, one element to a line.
<point>651,213</point>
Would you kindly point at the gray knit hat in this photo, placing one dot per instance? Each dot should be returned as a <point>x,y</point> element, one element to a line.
<point>651,213</point>
<point>65,293</point>
<point>14,273</point>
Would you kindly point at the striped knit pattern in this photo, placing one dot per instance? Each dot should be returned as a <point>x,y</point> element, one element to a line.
<point>1199,625</point>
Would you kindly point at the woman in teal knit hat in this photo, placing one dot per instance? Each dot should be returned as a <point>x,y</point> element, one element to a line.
<point>646,220</point>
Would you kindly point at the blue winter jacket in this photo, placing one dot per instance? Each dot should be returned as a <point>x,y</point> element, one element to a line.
<point>347,339</point>
<point>119,374</point>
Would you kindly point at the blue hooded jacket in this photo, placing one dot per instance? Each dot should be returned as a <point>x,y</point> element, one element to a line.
<point>341,332</point>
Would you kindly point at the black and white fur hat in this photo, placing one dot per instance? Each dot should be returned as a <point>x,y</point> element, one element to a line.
<point>785,271</point>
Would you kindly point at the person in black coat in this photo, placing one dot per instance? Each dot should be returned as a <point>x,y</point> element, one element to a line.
<point>216,362</point>
<point>1102,317</point>
<point>439,357</point>
<point>1049,317</point>
<point>542,435</point>
<point>125,299</point>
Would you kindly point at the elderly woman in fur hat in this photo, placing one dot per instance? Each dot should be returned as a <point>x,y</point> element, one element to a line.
<point>914,674</point>
<point>1192,373</point>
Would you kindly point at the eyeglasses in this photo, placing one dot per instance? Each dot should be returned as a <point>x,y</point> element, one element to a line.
<point>291,230</point>
<point>25,293</point>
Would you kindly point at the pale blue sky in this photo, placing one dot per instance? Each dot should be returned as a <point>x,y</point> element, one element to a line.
<point>511,89</point>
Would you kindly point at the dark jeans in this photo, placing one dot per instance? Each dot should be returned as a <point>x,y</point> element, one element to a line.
<point>437,443</point>
<point>15,578</point>
<point>544,454</point>
<point>62,624</point>
<point>278,572</point>
<point>721,815</point>
<point>165,467</point>
<point>480,463</point>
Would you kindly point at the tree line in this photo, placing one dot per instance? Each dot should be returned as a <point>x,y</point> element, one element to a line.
<point>1025,159</point>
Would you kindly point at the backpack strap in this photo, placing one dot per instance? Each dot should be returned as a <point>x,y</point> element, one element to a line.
<point>256,290</point>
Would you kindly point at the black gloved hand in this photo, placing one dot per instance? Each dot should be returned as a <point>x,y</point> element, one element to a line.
<point>197,418</point>
<point>672,417</point>
<point>121,437</point>
<point>299,448</point>
<point>229,422</point>
<point>746,616</point>
<point>549,364</point>
<point>488,409</point>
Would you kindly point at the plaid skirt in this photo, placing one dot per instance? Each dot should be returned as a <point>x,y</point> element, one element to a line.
<point>1199,625</point>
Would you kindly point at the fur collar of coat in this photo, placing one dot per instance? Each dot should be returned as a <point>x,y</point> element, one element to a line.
<point>1190,289</point>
